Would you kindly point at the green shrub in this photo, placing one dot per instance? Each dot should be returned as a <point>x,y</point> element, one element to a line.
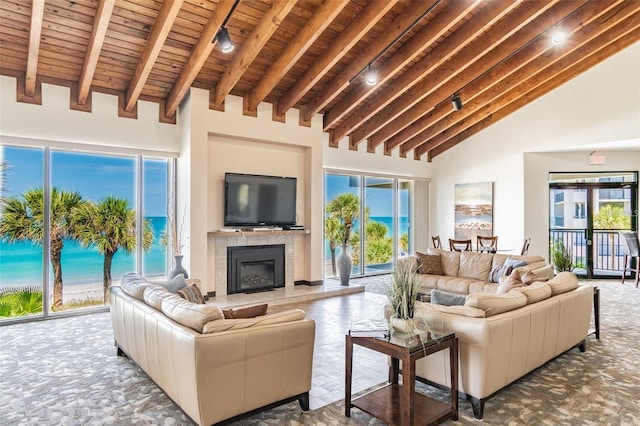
<point>17,302</point>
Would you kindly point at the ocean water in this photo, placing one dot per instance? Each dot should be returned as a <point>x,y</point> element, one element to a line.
<point>21,263</point>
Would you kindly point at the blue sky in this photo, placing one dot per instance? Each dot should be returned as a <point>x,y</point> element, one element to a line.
<point>379,200</point>
<point>93,176</point>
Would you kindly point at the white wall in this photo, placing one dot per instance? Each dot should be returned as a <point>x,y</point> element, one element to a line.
<point>229,141</point>
<point>54,124</point>
<point>599,108</point>
<point>537,167</point>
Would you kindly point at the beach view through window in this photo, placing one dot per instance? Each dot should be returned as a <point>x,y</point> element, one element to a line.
<point>383,205</point>
<point>80,211</point>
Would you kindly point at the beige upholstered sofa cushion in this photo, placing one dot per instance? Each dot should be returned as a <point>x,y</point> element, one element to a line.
<point>134,285</point>
<point>192,315</point>
<point>493,304</point>
<point>563,282</point>
<point>535,292</point>
<point>154,294</point>
<point>450,261</point>
<point>467,311</point>
<point>475,265</point>
<point>240,323</point>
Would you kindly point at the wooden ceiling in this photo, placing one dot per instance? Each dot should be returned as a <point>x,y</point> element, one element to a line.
<point>311,55</point>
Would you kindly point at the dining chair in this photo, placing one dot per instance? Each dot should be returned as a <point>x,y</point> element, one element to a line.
<point>525,247</point>
<point>487,244</point>
<point>459,245</point>
<point>631,247</point>
<point>436,242</point>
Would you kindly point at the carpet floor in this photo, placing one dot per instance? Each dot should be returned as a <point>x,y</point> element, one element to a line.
<point>65,372</point>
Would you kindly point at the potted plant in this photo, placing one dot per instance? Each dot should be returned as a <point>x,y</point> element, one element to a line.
<point>402,293</point>
<point>561,257</point>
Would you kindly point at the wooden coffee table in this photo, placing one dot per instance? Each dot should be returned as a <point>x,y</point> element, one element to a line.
<point>398,404</point>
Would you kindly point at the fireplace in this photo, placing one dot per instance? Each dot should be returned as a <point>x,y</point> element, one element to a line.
<point>255,268</point>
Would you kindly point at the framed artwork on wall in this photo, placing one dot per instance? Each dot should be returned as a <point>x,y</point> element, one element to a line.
<point>473,210</point>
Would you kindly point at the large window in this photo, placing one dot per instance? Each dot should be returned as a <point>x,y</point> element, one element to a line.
<point>376,210</point>
<point>71,225</point>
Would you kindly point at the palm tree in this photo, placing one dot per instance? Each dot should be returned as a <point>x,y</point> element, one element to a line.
<point>110,225</point>
<point>23,220</point>
<point>341,215</point>
<point>346,209</point>
<point>332,234</point>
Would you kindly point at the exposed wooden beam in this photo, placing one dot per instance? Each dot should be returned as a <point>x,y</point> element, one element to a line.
<point>476,57</point>
<point>569,67</point>
<point>516,69</point>
<point>529,22</point>
<point>340,46</point>
<point>421,41</point>
<point>100,24</point>
<point>35,31</point>
<point>255,42</point>
<point>471,29</point>
<point>341,81</point>
<point>167,15</point>
<point>322,17</point>
<point>198,56</point>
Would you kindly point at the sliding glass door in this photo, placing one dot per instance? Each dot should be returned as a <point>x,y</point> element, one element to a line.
<point>380,227</point>
<point>21,234</point>
<point>587,212</point>
<point>71,226</point>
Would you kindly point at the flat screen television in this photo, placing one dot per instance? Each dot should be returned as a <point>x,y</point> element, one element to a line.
<point>256,200</point>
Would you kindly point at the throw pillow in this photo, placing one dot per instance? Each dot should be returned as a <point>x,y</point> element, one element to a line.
<point>429,264</point>
<point>509,282</point>
<point>440,297</point>
<point>498,271</point>
<point>191,293</point>
<point>174,284</point>
<point>514,263</point>
<point>247,312</point>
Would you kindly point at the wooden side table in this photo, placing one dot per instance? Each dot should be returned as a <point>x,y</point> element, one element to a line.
<point>400,404</point>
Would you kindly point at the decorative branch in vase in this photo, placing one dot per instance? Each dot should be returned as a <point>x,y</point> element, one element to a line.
<point>176,234</point>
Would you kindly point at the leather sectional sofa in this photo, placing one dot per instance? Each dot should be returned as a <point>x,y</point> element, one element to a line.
<point>471,272</point>
<point>215,369</point>
<point>502,337</point>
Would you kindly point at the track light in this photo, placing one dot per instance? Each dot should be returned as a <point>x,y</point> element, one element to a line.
<point>371,76</point>
<point>456,102</point>
<point>558,36</point>
<point>223,39</point>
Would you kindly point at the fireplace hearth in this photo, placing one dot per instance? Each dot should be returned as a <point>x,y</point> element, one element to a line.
<point>255,268</point>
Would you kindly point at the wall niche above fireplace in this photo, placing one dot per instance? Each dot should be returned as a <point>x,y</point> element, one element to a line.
<point>255,268</point>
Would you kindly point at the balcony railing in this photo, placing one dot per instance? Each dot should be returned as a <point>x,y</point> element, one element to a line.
<point>608,253</point>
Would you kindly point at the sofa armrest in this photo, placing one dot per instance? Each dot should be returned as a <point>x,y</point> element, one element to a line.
<point>411,259</point>
<point>242,370</point>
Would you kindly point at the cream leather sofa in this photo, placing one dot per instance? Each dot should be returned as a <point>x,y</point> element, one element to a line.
<point>502,337</point>
<point>214,368</point>
<point>469,272</point>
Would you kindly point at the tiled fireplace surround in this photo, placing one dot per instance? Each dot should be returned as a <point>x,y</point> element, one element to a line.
<point>224,240</point>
